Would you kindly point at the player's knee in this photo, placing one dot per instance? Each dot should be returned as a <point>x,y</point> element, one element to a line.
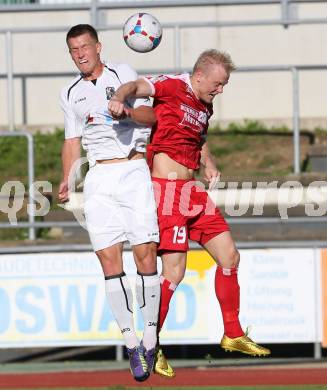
<point>179,275</point>
<point>174,274</point>
<point>232,260</point>
<point>146,260</point>
<point>235,258</point>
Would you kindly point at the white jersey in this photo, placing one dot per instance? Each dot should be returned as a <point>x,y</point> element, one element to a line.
<point>85,106</point>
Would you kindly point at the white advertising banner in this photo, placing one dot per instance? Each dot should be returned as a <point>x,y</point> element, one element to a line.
<point>281,295</point>
<point>54,300</point>
<point>58,299</point>
<point>279,298</point>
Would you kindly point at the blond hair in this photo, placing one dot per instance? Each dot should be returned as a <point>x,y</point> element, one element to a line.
<point>212,57</point>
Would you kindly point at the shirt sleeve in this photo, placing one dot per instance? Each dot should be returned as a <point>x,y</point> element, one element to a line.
<point>162,86</point>
<point>73,127</point>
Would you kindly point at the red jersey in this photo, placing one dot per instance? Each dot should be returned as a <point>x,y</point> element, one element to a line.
<point>182,120</point>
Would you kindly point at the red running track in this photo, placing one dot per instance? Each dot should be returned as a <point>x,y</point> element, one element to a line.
<point>184,377</point>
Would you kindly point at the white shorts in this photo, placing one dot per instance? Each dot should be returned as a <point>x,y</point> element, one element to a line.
<point>119,204</point>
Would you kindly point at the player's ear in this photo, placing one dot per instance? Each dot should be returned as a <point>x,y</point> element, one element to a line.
<point>98,47</point>
<point>198,74</point>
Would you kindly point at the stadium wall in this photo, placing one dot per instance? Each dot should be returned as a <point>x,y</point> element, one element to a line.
<point>266,96</point>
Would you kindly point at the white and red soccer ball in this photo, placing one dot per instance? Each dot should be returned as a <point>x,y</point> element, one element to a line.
<point>142,32</point>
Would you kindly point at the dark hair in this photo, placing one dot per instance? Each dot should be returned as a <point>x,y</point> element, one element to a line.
<point>81,29</point>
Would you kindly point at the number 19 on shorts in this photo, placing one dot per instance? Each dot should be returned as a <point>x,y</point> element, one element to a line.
<point>179,234</point>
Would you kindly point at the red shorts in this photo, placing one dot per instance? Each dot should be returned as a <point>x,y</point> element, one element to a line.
<point>185,211</point>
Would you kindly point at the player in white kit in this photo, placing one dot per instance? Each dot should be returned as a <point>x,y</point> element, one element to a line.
<point>118,194</point>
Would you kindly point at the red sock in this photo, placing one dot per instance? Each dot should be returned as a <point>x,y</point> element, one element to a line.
<point>228,295</point>
<point>167,291</point>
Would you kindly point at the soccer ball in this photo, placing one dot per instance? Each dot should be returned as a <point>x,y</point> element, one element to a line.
<point>142,32</point>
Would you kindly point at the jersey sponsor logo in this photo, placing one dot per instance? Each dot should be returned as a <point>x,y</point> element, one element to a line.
<point>189,110</point>
<point>80,100</point>
<point>193,118</point>
<point>110,92</point>
<point>202,117</point>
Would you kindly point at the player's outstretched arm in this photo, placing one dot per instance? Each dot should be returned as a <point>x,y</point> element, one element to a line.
<point>143,115</point>
<point>137,88</point>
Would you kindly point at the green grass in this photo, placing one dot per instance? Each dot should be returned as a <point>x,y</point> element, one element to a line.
<point>253,150</point>
<point>47,150</point>
<point>13,166</point>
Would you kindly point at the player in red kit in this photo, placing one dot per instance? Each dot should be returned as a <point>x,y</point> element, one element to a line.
<point>183,106</point>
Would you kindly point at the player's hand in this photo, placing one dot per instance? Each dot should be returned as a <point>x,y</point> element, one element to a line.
<point>116,108</point>
<point>212,176</point>
<point>63,193</point>
<point>128,112</point>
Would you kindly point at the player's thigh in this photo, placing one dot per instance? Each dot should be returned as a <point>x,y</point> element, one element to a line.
<point>138,205</point>
<point>104,219</point>
<point>222,248</point>
<point>173,266</point>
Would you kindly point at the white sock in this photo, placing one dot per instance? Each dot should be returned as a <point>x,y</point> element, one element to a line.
<point>148,298</point>
<point>120,297</point>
